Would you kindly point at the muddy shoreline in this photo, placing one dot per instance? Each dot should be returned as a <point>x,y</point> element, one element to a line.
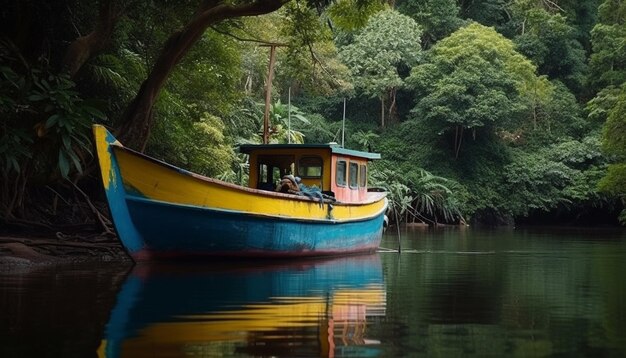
<point>33,251</point>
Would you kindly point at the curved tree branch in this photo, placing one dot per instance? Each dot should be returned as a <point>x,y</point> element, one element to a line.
<point>243,39</point>
<point>138,119</point>
<point>84,47</point>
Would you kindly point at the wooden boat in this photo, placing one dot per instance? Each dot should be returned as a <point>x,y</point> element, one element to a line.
<point>160,210</point>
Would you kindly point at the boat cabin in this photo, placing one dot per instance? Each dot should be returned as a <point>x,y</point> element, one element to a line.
<point>336,171</point>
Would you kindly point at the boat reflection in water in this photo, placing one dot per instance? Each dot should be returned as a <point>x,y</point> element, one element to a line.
<point>310,308</point>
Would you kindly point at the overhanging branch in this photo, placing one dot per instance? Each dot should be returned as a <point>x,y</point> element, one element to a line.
<point>243,39</point>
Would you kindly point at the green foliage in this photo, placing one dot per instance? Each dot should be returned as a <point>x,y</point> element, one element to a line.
<point>486,12</point>
<point>608,37</point>
<point>381,55</point>
<point>582,15</point>
<point>122,73</point>
<point>283,120</point>
<point>15,140</point>
<point>310,61</point>
<point>199,146</point>
<point>472,80</point>
<point>14,149</point>
<point>437,18</point>
<point>351,15</point>
<point>562,175</point>
<point>244,122</point>
<point>209,75</point>
<point>399,200</point>
<point>598,108</point>
<point>564,114</point>
<point>389,42</point>
<point>496,136</point>
<point>614,182</point>
<point>550,42</point>
<point>239,173</point>
<point>320,130</point>
<point>285,123</point>
<point>421,195</point>
<point>69,120</point>
<point>364,139</point>
<point>608,73</point>
<point>209,152</point>
<point>556,115</point>
<point>201,91</point>
<point>44,132</point>
<point>614,131</point>
<point>436,196</point>
<point>614,144</point>
<point>60,118</point>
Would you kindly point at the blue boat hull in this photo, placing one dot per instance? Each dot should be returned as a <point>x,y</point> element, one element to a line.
<point>179,230</point>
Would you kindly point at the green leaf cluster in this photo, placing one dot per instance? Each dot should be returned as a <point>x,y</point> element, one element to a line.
<point>563,175</point>
<point>608,37</point>
<point>437,18</point>
<point>46,123</point>
<point>420,195</point>
<point>385,48</point>
<point>614,144</point>
<point>352,15</point>
<point>551,44</point>
<point>473,79</point>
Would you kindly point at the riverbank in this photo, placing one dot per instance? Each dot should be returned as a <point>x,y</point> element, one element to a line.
<point>59,249</point>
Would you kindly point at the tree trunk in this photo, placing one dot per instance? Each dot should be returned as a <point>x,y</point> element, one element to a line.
<point>458,143</point>
<point>392,113</point>
<point>382,111</point>
<point>84,47</point>
<point>138,119</point>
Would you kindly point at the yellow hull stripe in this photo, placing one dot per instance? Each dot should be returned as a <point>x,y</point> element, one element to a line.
<point>160,182</point>
<point>104,157</point>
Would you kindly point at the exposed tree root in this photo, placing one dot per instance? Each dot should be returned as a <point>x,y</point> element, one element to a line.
<point>104,222</point>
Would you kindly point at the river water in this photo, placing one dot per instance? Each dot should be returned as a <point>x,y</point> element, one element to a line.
<point>451,292</point>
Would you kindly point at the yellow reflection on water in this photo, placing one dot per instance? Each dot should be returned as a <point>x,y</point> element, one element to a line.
<point>317,323</point>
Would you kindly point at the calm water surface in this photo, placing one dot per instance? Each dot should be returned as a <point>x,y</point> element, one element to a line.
<point>450,293</point>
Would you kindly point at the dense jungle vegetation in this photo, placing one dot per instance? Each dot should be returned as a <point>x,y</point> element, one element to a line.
<point>485,111</point>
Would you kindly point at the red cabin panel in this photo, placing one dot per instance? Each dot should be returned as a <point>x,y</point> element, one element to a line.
<point>349,182</point>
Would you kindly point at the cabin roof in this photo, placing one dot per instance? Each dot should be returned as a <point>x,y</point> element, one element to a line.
<point>334,148</point>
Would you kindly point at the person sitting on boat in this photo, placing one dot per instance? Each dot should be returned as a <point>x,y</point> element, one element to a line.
<point>289,184</point>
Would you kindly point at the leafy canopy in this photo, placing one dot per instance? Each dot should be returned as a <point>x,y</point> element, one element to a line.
<point>389,44</point>
<point>351,15</point>
<point>438,18</point>
<point>550,42</point>
<point>473,78</point>
<point>608,37</point>
<point>614,144</point>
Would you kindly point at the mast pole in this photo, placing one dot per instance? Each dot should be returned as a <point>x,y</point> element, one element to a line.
<point>268,96</point>
<point>289,116</point>
<point>343,124</point>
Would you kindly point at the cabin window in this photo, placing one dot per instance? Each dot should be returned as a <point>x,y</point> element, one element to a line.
<point>310,167</point>
<point>276,174</point>
<point>272,169</point>
<point>263,177</point>
<point>363,176</point>
<point>354,175</point>
<point>341,173</point>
